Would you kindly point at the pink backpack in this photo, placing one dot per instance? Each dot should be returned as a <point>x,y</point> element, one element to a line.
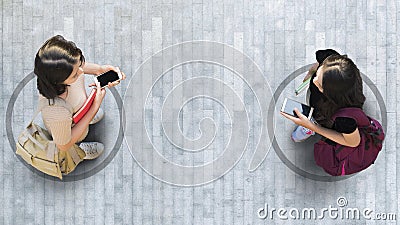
<point>339,160</point>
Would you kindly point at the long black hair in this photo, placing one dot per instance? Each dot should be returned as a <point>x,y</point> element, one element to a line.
<point>54,63</point>
<point>341,84</point>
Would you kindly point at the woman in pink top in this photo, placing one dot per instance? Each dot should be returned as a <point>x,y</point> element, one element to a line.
<point>59,66</point>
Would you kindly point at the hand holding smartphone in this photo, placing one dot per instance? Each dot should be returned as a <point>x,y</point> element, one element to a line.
<point>107,77</point>
<point>289,105</point>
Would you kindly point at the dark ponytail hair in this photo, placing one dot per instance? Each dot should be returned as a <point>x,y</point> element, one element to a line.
<point>342,85</point>
<point>54,63</point>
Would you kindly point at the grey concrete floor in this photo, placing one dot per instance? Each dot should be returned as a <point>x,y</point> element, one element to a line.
<point>280,38</point>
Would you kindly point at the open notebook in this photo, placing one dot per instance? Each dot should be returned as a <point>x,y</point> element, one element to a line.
<point>85,108</point>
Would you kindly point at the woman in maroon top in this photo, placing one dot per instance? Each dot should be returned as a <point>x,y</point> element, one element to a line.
<point>335,84</point>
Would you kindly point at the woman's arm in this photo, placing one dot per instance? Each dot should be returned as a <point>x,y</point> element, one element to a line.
<point>78,130</point>
<point>92,68</point>
<point>96,69</point>
<point>352,140</point>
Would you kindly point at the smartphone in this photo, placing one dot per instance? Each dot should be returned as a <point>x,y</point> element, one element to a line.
<point>109,76</point>
<point>289,105</point>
